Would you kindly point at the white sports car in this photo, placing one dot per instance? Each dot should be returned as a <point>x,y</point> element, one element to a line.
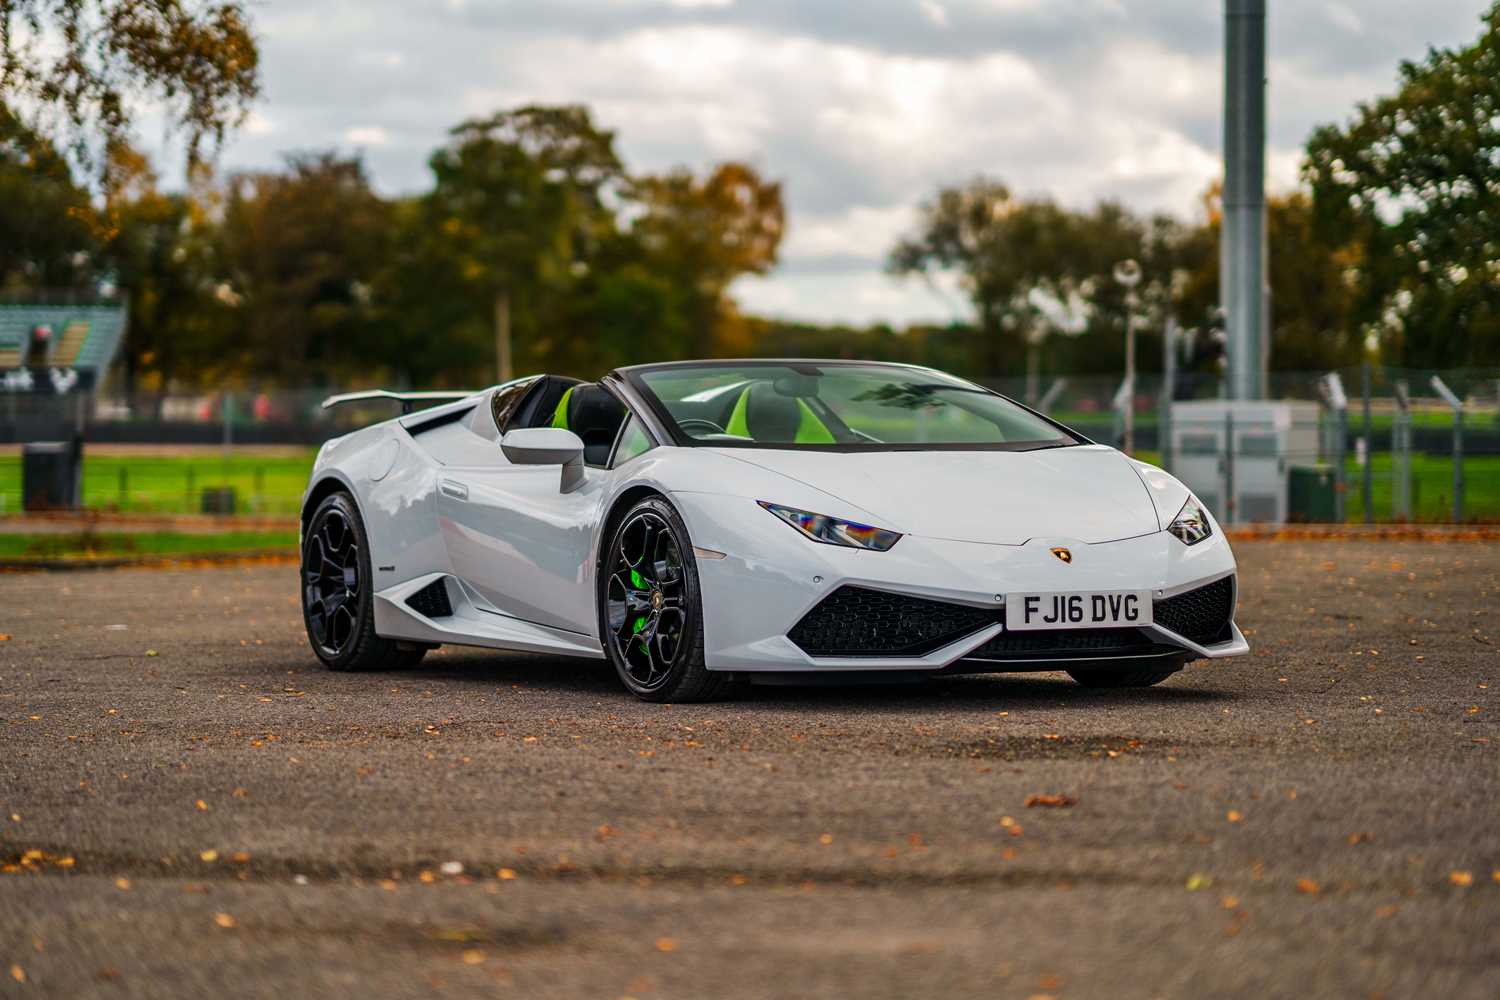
<point>701,522</point>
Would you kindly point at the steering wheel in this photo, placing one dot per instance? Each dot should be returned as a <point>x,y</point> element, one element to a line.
<point>707,425</point>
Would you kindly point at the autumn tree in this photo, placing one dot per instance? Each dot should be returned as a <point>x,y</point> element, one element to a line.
<point>44,215</point>
<point>1413,182</point>
<point>518,201</point>
<point>160,246</point>
<point>82,65</point>
<point>703,234</point>
<point>299,252</point>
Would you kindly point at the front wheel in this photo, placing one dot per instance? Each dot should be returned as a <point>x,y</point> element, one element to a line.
<point>337,601</point>
<point>650,611</point>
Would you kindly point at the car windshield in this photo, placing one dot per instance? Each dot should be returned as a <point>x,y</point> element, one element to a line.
<point>839,406</point>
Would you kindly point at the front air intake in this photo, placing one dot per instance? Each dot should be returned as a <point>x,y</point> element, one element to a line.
<point>857,621</point>
<point>1201,614</point>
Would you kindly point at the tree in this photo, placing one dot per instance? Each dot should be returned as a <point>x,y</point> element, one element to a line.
<point>44,216</point>
<point>1005,250</point>
<point>159,247</point>
<point>299,253</point>
<point>1413,183</point>
<point>83,64</point>
<point>704,234</point>
<point>519,200</point>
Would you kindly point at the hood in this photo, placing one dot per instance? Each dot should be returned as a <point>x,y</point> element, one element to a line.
<point>1089,493</point>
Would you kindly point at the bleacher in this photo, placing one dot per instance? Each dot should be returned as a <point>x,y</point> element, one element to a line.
<point>83,336</point>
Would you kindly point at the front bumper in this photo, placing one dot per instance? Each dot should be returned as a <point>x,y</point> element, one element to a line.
<point>770,578</point>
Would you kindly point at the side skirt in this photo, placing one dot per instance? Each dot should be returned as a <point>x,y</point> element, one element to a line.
<point>470,624</point>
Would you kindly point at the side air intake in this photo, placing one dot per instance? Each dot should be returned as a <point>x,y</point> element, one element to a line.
<point>431,601</point>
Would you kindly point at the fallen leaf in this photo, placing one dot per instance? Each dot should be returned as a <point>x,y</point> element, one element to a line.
<point>665,944</point>
<point>225,921</point>
<point>506,874</point>
<point>4,637</point>
<point>201,805</point>
<point>1234,816</point>
<point>473,956</point>
<point>1229,902</point>
<point>1307,886</point>
<point>1462,879</point>
<point>1386,912</point>
<point>826,839</point>
<point>18,974</point>
<point>122,884</point>
<point>1358,838</point>
<point>1050,801</point>
<point>151,652</point>
<point>209,855</point>
<point>1198,881</point>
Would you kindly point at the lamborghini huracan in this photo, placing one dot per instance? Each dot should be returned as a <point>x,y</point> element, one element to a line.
<point>702,523</point>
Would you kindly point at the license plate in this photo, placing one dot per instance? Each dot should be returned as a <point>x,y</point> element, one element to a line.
<point>1087,609</point>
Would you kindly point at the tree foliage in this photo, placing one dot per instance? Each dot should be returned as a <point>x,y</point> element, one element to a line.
<point>83,64</point>
<point>1413,183</point>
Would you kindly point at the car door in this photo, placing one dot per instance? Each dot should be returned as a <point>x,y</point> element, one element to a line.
<point>520,542</point>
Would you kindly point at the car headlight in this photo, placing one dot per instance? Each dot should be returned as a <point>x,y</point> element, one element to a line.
<point>1191,523</point>
<point>832,531</point>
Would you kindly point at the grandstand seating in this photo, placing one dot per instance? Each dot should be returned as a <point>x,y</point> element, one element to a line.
<point>83,336</point>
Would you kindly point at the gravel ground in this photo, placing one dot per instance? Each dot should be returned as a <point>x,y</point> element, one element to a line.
<point>190,807</point>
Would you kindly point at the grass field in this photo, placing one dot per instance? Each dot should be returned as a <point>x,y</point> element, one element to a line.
<point>174,484</point>
<point>91,545</point>
<point>273,484</point>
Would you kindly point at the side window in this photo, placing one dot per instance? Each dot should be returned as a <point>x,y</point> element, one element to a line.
<point>505,402</point>
<point>634,441</point>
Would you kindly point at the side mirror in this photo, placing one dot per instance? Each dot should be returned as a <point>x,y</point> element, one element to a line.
<point>547,446</point>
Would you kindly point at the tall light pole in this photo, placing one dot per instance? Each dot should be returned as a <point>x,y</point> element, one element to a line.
<point>1128,275</point>
<point>1242,242</point>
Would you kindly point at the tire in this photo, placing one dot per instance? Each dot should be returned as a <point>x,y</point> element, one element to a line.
<point>338,606</point>
<point>651,610</point>
<point>1128,677</point>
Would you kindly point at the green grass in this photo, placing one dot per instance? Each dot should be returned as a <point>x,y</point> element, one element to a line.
<point>274,484</point>
<point>152,543</point>
<point>175,484</point>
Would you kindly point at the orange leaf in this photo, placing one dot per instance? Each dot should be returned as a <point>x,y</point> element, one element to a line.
<point>1307,886</point>
<point>1052,801</point>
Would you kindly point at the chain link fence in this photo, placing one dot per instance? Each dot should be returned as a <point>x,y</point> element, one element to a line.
<point>1372,444</point>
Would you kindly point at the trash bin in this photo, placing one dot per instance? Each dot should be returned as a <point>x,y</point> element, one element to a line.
<point>50,475</point>
<point>1311,494</point>
<point>218,500</point>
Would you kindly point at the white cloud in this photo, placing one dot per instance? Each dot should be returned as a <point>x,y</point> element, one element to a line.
<point>1343,16</point>
<point>862,115</point>
<point>934,12</point>
<point>367,135</point>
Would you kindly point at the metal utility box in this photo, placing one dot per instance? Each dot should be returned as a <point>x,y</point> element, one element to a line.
<point>1236,455</point>
<point>1312,494</point>
<point>51,475</point>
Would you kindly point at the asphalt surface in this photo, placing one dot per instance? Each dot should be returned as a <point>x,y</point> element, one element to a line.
<point>190,807</point>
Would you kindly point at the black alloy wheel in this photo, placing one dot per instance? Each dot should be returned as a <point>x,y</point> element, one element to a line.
<point>337,602</point>
<point>650,608</point>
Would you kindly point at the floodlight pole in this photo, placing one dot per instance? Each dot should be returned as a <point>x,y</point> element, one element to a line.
<point>1128,275</point>
<point>1242,245</point>
<point>1401,453</point>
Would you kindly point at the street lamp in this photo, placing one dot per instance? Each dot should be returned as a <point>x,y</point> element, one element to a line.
<point>1128,275</point>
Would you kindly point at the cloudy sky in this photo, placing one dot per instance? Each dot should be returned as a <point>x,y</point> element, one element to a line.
<point>861,107</point>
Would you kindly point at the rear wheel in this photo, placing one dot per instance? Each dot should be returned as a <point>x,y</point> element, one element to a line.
<point>337,602</point>
<point>650,612</point>
<point>1129,677</point>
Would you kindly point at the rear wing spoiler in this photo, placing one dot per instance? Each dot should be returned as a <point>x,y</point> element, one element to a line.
<point>408,400</point>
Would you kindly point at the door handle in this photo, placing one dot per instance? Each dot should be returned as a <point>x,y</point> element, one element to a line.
<point>457,491</point>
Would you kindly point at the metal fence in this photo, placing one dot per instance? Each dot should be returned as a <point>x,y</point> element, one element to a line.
<point>1363,444</point>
